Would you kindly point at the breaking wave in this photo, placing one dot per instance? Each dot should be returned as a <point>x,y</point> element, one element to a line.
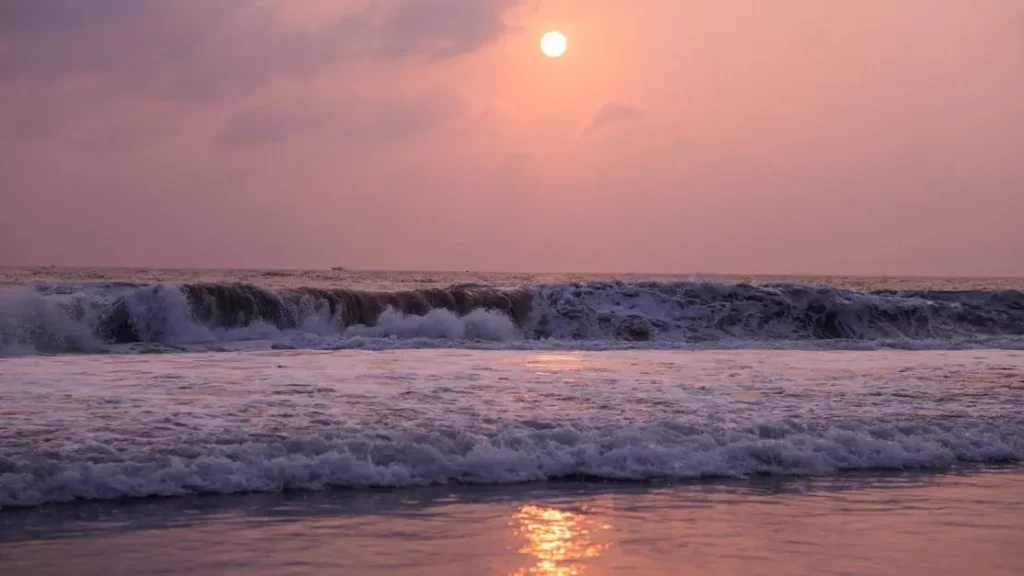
<point>516,453</point>
<point>62,318</point>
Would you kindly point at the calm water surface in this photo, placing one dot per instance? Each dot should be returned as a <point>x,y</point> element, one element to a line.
<point>918,524</point>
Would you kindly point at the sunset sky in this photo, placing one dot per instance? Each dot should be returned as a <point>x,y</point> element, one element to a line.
<point>677,136</point>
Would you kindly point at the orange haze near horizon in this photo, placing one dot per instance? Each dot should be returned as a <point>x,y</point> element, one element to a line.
<point>792,137</point>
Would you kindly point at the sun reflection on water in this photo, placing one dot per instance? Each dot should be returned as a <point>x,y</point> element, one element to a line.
<point>570,366</point>
<point>557,539</point>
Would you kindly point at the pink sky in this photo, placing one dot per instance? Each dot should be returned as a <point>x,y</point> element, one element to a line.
<point>678,136</point>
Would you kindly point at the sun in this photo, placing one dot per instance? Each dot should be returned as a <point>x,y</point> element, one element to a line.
<point>553,44</point>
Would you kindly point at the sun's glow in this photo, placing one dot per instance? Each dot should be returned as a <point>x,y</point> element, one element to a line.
<point>560,542</point>
<point>553,44</point>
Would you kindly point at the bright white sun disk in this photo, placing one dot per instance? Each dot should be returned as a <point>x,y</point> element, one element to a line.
<point>553,44</point>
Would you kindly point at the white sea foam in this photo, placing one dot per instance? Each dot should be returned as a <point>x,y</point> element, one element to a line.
<point>115,426</point>
<point>30,323</point>
<point>439,325</point>
<point>515,454</point>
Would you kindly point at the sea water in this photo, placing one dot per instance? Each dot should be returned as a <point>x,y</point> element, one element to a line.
<point>209,423</point>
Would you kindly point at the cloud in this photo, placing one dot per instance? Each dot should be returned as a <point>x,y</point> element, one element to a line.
<point>265,124</point>
<point>439,29</point>
<point>610,115</point>
<point>362,122</point>
<point>200,49</point>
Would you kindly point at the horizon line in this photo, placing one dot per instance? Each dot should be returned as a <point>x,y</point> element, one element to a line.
<point>346,269</point>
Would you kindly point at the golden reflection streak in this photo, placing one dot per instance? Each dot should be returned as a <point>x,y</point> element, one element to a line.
<point>570,364</point>
<point>557,539</point>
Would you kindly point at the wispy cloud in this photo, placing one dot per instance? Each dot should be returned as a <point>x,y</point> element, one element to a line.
<point>609,115</point>
<point>362,122</point>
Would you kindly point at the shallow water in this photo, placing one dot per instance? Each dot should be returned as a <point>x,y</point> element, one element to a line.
<point>901,524</point>
<point>102,427</point>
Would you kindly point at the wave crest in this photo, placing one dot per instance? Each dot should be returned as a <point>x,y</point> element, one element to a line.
<point>91,317</point>
<point>514,454</point>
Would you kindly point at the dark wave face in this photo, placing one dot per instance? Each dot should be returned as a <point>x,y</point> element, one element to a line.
<point>241,305</point>
<point>91,317</point>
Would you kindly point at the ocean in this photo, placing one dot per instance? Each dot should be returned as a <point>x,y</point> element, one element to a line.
<point>334,421</point>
